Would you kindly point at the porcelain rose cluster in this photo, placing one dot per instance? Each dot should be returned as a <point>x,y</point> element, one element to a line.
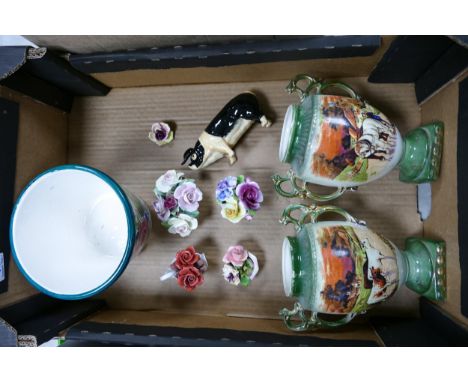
<point>239,197</point>
<point>176,203</point>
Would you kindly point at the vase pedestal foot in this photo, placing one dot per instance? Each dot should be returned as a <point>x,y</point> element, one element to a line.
<point>422,154</point>
<point>426,267</point>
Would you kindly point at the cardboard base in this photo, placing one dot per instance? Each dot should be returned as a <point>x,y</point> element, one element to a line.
<point>110,133</point>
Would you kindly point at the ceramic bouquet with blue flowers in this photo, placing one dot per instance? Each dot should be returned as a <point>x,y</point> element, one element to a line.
<point>177,202</point>
<point>239,197</point>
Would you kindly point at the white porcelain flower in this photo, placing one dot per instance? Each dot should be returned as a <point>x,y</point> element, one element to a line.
<point>182,225</point>
<point>166,181</point>
<point>231,274</point>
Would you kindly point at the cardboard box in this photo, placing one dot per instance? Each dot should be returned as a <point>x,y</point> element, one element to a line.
<point>110,133</point>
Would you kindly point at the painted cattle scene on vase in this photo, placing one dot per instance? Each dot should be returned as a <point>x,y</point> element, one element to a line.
<point>359,268</point>
<point>355,142</point>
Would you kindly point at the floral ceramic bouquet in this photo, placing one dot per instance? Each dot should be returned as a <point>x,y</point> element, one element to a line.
<point>239,197</point>
<point>187,267</point>
<point>161,133</point>
<point>177,202</point>
<point>240,266</point>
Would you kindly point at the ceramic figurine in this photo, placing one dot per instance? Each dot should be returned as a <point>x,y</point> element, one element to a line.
<point>344,268</point>
<point>345,142</point>
<point>224,131</point>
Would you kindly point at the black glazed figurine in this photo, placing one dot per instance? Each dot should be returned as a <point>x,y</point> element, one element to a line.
<point>224,131</point>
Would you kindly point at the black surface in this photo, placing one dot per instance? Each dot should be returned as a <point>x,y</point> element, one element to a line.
<point>428,61</point>
<point>27,309</point>
<point>136,335</point>
<point>43,91</point>
<point>462,180</point>
<point>453,333</point>
<point>434,328</point>
<point>61,74</point>
<point>44,317</point>
<point>408,57</point>
<point>245,52</point>
<point>407,332</point>
<point>9,119</point>
<point>448,66</point>
<point>46,78</point>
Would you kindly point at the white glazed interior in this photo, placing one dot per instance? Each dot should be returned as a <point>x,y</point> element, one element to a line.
<point>69,231</point>
<point>287,268</point>
<point>286,133</point>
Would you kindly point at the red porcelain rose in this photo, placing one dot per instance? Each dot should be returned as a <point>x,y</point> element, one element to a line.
<point>189,278</point>
<point>186,258</point>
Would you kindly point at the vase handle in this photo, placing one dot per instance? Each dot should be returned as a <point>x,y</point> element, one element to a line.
<point>318,86</point>
<point>315,322</point>
<point>301,191</point>
<point>322,85</point>
<point>313,212</point>
<point>294,88</point>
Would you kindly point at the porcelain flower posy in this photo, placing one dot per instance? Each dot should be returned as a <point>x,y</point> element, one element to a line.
<point>161,133</point>
<point>176,203</point>
<point>240,266</point>
<point>187,267</point>
<point>239,198</point>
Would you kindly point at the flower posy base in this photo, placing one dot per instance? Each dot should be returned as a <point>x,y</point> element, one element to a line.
<point>240,266</point>
<point>187,267</point>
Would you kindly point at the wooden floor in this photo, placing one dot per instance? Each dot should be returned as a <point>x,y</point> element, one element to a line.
<point>110,133</point>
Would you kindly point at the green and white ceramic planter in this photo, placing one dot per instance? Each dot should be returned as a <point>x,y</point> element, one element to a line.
<point>345,142</point>
<point>73,230</point>
<point>343,268</point>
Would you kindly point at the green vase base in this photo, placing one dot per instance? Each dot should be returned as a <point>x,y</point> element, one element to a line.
<point>422,154</point>
<point>427,267</point>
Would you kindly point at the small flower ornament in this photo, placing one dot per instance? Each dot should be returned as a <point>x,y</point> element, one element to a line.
<point>187,267</point>
<point>176,203</point>
<point>239,198</point>
<point>161,133</point>
<point>240,266</point>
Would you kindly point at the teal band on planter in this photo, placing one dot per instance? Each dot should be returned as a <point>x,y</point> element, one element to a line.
<point>130,219</point>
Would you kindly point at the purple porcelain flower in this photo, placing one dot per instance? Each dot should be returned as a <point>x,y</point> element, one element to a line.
<point>162,212</point>
<point>170,202</point>
<point>188,195</point>
<point>225,188</point>
<point>161,133</point>
<point>249,194</point>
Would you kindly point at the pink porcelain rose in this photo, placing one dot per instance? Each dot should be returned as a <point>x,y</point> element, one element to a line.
<point>236,255</point>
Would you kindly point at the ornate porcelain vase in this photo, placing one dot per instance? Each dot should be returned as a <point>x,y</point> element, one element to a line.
<point>343,268</point>
<point>345,142</point>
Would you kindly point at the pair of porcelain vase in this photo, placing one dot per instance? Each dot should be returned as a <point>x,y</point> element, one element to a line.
<point>342,267</point>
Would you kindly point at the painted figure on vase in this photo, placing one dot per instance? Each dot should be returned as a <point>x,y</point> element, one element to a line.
<point>357,268</point>
<point>355,140</point>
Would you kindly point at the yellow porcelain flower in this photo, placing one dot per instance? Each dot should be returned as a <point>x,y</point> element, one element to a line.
<point>233,211</point>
